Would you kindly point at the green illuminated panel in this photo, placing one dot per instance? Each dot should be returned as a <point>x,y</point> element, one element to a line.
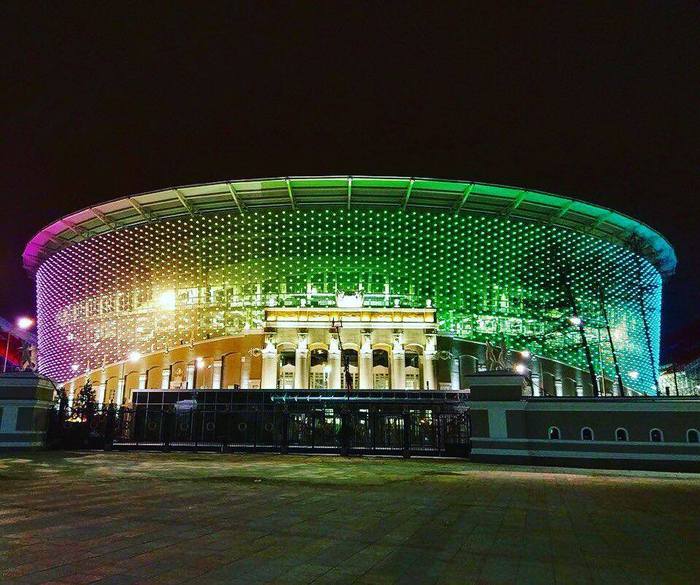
<point>151,286</point>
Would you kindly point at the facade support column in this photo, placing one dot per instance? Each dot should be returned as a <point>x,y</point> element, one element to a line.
<point>165,379</point>
<point>191,376</point>
<point>429,380</point>
<point>365,362</point>
<point>334,363</point>
<point>301,362</point>
<point>269,366</point>
<point>120,393</point>
<point>454,373</point>
<point>216,370</point>
<point>245,372</point>
<point>398,364</point>
<point>101,389</point>
<point>536,385</point>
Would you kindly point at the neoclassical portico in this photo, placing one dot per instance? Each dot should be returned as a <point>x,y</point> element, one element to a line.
<point>385,348</point>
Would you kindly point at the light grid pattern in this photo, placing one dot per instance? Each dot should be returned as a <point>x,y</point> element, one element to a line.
<point>158,284</point>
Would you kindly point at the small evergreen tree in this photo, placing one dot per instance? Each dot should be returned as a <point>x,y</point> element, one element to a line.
<point>85,403</point>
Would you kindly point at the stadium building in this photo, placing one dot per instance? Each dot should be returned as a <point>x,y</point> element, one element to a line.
<point>280,283</point>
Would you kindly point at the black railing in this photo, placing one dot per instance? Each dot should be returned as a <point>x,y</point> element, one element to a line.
<point>393,427</point>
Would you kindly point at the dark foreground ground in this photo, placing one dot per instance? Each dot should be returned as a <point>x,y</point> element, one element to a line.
<point>179,518</point>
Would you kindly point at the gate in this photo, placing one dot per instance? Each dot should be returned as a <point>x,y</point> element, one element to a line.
<point>455,433</point>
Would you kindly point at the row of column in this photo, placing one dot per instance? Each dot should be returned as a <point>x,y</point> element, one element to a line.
<point>335,381</point>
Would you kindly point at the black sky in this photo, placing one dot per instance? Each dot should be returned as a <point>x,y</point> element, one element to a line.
<point>594,100</point>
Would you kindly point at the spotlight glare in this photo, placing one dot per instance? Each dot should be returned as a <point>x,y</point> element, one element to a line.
<point>25,323</point>
<point>167,300</point>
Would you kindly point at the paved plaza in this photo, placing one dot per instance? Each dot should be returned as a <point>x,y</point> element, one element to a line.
<point>122,518</point>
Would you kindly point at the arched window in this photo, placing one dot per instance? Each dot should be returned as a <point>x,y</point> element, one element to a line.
<point>553,433</point>
<point>656,436</point>
<point>319,369</point>
<point>412,363</point>
<point>380,370</point>
<point>621,434</point>
<point>287,361</point>
<point>693,436</point>
<point>586,434</point>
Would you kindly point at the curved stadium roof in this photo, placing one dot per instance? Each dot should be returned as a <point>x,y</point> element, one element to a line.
<point>350,191</point>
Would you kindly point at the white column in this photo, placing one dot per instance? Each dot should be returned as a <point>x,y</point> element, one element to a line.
<point>216,368</point>
<point>301,363</point>
<point>120,391</point>
<point>100,394</point>
<point>269,367</point>
<point>245,372</point>
<point>190,376</point>
<point>558,387</point>
<point>365,362</point>
<point>536,389</point>
<point>398,365</point>
<point>616,388</point>
<point>454,373</point>
<point>142,381</point>
<point>429,379</point>
<point>165,379</point>
<point>334,364</point>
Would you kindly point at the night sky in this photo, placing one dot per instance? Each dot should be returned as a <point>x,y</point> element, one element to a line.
<point>593,100</point>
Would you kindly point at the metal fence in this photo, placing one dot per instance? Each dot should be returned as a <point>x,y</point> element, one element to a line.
<point>274,423</point>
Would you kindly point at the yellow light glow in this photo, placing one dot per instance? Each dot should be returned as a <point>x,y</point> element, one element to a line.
<point>166,300</point>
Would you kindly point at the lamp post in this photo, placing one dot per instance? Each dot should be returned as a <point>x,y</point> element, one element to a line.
<point>336,326</point>
<point>22,323</point>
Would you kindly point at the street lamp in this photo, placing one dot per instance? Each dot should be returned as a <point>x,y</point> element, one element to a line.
<point>22,323</point>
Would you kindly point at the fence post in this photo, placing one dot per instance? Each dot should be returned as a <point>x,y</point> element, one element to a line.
<point>284,442</point>
<point>109,427</point>
<point>345,432</point>
<point>225,434</point>
<point>313,429</point>
<point>255,429</point>
<point>406,434</point>
<point>165,428</point>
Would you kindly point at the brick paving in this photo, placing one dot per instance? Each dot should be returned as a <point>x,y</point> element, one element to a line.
<point>126,518</point>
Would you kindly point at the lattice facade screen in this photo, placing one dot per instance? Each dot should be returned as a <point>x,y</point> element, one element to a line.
<point>158,284</point>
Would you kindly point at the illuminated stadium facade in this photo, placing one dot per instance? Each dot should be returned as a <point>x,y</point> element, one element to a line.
<point>236,284</point>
